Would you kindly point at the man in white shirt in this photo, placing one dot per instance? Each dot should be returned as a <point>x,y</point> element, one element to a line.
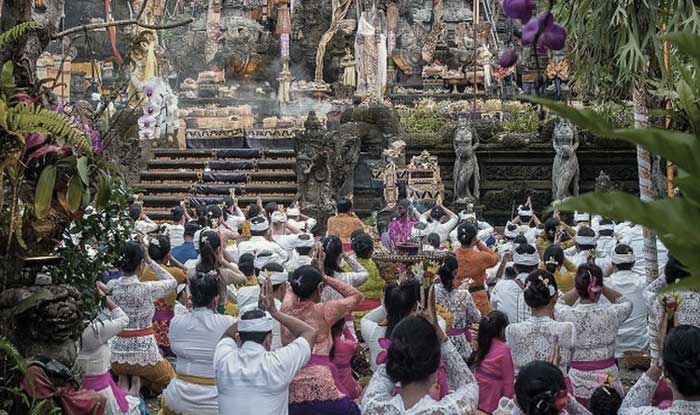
<point>606,238</point>
<point>299,221</point>
<point>485,230</point>
<point>585,251</point>
<point>440,220</point>
<point>581,219</point>
<point>247,297</point>
<point>303,244</point>
<point>258,242</point>
<point>251,379</point>
<point>507,296</point>
<point>632,334</point>
<point>176,230</point>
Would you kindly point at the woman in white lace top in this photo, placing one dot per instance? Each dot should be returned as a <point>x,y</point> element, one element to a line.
<point>333,248</point>
<point>540,390</point>
<point>135,350</point>
<point>596,328</point>
<point>413,360</point>
<point>535,338</point>
<point>459,303</point>
<point>681,367</point>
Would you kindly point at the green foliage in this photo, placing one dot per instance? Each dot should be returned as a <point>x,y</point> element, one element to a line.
<point>521,123</point>
<point>422,120</point>
<point>44,191</point>
<point>617,114</point>
<point>16,32</point>
<point>31,118</point>
<point>101,232</point>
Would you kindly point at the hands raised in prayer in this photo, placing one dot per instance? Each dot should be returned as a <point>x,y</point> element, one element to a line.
<point>267,301</point>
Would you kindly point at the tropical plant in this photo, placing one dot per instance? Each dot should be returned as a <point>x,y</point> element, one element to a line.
<point>12,397</point>
<point>671,219</point>
<point>521,123</point>
<point>17,32</point>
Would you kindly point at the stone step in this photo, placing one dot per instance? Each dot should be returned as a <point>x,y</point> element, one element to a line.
<point>222,153</point>
<point>174,200</point>
<point>223,189</point>
<point>212,177</point>
<point>254,164</point>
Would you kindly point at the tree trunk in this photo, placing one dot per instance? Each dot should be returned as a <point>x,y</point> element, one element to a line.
<point>646,187</point>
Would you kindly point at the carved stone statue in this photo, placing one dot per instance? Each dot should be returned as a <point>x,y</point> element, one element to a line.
<point>394,159</point>
<point>603,183</point>
<point>466,168</point>
<point>346,153</point>
<point>565,170</point>
<point>370,52</point>
<point>314,179</point>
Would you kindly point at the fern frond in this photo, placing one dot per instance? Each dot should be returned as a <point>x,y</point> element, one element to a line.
<point>23,117</point>
<point>9,350</point>
<point>16,32</point>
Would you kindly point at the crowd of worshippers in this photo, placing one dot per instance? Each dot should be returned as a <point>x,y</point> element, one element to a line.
<point>228,311</point>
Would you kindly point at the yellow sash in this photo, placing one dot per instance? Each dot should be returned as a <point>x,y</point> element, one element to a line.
<point>197,380</point>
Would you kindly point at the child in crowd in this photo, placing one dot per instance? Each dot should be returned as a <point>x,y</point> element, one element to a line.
<point>344,346</point>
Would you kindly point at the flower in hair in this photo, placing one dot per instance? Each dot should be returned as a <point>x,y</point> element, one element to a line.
<point>551,260</point>
<point>154,242</point>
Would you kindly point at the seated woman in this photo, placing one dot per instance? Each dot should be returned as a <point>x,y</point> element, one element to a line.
<point>459,303</point>
<point>135,349</point>
<point>492,363</point>
<point>417,348</point>
<point>680,366</point>
<point>194,337</point>
<point>363,246</point>
<point>557,264</point>
<point>333,267</point>
<point>540,390</point>
<point>474,258</point>
<point>317,388</point>
<point>94,356</point>
<point>596,327</point>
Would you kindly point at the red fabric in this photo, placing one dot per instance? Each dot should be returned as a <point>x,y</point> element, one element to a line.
<point>663,396</point>
<point>136,333</point>
<point>73,401</point>
<point>591,365</point>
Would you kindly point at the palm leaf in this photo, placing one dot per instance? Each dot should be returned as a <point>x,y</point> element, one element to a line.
<point>25,117</point>
<point>16,32</point>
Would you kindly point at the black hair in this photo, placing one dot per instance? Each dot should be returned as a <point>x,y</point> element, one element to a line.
<point>191,228</point>
<point>681,357</point>
<point>588,232</point>
<point>414,354</point>
<point>336,330</point>
<point>606,232</point>
<point>177,213</point>
<point>356,233</point>
<point>246,264</point>
<point>404,203</point>
<point>537,386</point>
<point>550,228</point>
<point>270,208</point>
<point>204,288</point>
<point>434,240</point>
<point>388,288</point>
<point>623,249</point>
<point>583,278</point>
<point>135,211</point>
<point>525,249</point>
<point>674,269</point>
<point>519,240</point>
<point>343,205</point>
<point>605,400</point>
<point>274,267</point>
<point>305,281</point>
<point>209,243</point>
<point>305,250</point>
<point>541,287</point>
<point>447,271</point>
<point>466,233</point>
<point>333,247</point>
<point>201,212</point>
<point>253,336</point>
<point>253,211</point>
<point>363,245</point>
<point>228,202</point>
<point>215,212</point>
<point>553,252</point>
<point>159,247</point>
<point>491,326</point>
<point>437,213</point>
<point>130,257</point>
<point>402,301</point>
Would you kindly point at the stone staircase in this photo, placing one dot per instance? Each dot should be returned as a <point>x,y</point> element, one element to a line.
<point>204,176</point>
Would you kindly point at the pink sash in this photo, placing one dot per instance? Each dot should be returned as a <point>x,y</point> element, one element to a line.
<point>320,360</point>
<point>591,365</point>
<point>160,315</point>
<point>103,381</point>
<point>453,332</point>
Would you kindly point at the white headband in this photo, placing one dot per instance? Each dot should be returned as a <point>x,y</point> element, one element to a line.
<point>263,259</point>
<point>258,325</point>
<point>586,240</point>
<point>464,215</point>
<point>259,224</point>
<point>278,217</point>
<point>304,243</point>
<point>608,227</point>
<point>618,259</point>
<point>180,288</point>
<point>526,259</point>
<point>293,212</point>
<point>524,211</point>
<point>277,277</point>
<point>581,217</point>
<point>510,233</point>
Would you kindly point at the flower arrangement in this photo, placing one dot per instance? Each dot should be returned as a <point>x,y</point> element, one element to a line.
<point>425,271</point>
<point>159,110</point>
